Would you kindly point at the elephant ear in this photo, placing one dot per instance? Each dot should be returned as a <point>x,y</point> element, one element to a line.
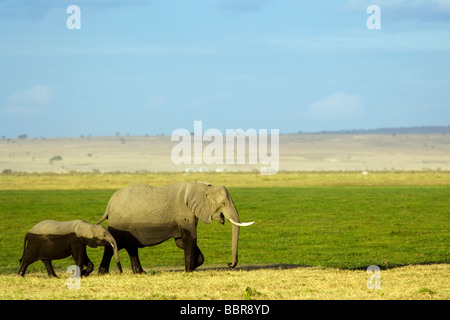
<point>84,230</point>
<point>197,202</point>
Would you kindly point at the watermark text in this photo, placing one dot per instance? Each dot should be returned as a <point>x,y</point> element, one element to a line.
<point>74,281</point>
<point>374,281</point>
<point>374,20</point>
<point>231,148</point>
<point>74,20</point>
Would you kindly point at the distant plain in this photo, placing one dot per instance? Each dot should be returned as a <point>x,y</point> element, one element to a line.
<point>300,152</point>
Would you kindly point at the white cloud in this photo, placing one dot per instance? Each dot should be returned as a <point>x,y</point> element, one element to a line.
<point>337,106</point>
<point>40,94</point>
<point>21,111</point>
<point>27,102</point>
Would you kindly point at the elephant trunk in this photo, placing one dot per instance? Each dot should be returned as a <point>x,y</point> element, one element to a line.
<point>116,254</point>
<point>234,246</point>
<point>235,238</point>
<point>233,216</point>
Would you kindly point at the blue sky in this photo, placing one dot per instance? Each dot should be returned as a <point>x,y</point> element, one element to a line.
<point>152,66</point>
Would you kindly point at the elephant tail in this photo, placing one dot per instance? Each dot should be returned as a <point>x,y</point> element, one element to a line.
<point>24,246</point>
<point>105,216</point>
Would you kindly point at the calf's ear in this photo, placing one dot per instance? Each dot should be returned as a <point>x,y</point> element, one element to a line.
<point>84,230</point>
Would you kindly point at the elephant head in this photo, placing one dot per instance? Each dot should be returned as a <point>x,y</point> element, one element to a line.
<point>96,235</point>
<point>210,202</point>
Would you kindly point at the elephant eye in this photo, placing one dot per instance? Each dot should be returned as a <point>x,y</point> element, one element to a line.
<point>223,204</point>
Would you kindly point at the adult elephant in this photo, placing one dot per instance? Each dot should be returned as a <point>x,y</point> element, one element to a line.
<point>143,215</point>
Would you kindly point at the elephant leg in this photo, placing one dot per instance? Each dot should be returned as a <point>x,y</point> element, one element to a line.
<point>134,258</point>
<point>28,257</point>
<point>90,266</point>
<point>23,267</point>
<point>198,257</point>
<point>193,257</point>
<point>81,259</point>
<point>106,260</point>
<point>49,267</point>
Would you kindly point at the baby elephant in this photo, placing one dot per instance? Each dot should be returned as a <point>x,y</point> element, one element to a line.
<point>52,240</point>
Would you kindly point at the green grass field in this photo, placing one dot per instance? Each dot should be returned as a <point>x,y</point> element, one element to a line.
<point>316,225</point>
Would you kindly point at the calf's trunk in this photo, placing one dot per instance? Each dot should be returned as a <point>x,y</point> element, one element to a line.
<point>116,254</point>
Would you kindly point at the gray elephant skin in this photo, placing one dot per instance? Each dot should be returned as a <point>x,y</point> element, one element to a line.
<point>143,215</point>
<point>52,240</point>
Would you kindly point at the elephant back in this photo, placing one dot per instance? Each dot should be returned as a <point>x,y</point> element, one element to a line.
<point>52,227</point>
<point>138,204</point>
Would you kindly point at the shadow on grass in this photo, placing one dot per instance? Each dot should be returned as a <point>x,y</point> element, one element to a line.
<point>278,266</point>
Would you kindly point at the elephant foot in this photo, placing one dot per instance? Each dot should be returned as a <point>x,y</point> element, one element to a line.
<point>134,259</point>
<point>137,268</point>
<point>85,273</point>
<point>192,263</point>
<point>141,272</point>
<point>102,271</point>
<point>200,259</point>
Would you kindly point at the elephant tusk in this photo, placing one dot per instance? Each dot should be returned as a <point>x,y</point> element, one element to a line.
<point>112,245</point>
<point>241,224</point>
